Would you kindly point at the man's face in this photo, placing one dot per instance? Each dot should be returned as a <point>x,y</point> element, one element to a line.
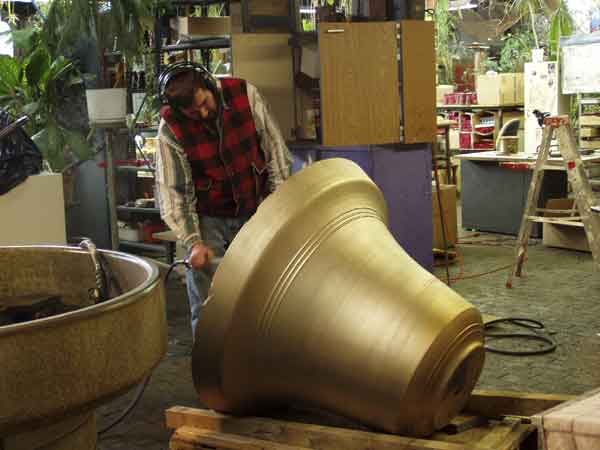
<point>203,106</point>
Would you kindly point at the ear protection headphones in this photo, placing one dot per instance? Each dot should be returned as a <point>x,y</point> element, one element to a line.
<point>173,70</point>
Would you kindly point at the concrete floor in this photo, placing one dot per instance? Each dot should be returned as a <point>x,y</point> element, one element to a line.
<point>560,289</point>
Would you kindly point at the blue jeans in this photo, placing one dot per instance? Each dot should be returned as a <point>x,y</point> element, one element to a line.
<point>217,233</point>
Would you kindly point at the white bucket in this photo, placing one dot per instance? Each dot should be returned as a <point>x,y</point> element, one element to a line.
<point>106,105</point>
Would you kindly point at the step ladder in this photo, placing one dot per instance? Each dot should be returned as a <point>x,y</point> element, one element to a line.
<point>585,202</point>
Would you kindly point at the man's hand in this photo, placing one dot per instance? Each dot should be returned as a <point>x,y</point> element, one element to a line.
<point>200,256</point>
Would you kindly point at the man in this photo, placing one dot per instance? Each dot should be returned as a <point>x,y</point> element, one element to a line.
<point>220,153</point>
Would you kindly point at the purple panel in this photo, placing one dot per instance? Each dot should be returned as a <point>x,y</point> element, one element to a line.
<point>404,176</point>
<point>359,155</point>
<point>403,173</point>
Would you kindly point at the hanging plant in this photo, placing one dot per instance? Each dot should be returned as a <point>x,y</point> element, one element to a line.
<point>11,16</point>
<point>120,21</point>
<point>516,51</point>
<point>445,40</point>
<point>561,21</point>
<point>561,24</point>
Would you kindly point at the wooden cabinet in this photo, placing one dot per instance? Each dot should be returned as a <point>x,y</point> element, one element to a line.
<point>377,83</point>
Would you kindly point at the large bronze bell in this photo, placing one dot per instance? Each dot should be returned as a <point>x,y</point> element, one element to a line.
<point>315,303</point>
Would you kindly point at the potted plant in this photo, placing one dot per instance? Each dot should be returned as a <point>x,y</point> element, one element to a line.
<point>116,26</point>
<point>37,85</point>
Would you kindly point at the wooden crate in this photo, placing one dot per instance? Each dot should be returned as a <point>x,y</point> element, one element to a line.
<point>492,420</point>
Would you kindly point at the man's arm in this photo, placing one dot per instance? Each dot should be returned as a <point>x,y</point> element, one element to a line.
<point>175,191</point>
<point>278,157</point>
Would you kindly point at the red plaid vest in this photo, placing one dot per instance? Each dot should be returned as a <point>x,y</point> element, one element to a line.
<point>233,182</point>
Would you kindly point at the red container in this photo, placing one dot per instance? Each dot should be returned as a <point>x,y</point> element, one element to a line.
<point>484,129</point>
<point>465,141</point>
<point>485,145</point>
<point>466,124</point>
<point>149,228</point>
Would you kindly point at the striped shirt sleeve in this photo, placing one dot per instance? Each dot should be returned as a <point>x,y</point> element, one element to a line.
<point>175,192</point>
<point>277,154</point>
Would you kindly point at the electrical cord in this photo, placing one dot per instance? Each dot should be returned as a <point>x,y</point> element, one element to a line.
<point>535,326</point>
<point>179,262</point>
<point>142,388</point>
<point>138,396</point>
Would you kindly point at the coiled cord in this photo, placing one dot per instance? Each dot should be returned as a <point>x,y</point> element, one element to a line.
<point>535,326</point>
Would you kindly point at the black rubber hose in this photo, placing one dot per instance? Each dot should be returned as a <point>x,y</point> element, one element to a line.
<point>535,325</point>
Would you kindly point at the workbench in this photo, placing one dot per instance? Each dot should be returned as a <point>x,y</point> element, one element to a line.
<point>403,173</point>
<point>495,188</point>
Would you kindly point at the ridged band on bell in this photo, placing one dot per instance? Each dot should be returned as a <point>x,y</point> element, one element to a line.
<point>315,303</point>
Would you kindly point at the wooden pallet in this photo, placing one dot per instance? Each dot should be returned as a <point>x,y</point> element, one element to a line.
<point>492,420</point>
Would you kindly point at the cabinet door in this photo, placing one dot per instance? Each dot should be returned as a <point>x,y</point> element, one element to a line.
<point>418,81</point>
<point>360,101</point>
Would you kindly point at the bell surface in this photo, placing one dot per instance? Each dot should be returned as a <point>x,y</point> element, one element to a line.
<point>316,304</point>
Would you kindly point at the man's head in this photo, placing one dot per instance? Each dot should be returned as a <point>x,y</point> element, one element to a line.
<point>190,94</point>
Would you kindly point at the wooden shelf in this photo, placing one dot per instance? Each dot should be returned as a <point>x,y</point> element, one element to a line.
<point>143,246</point>
<point>133,209</point>
<point>134,169</point>
<point>198,44</point>
<point>467,107</point>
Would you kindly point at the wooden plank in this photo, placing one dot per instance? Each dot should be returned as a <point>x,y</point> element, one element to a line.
<point>360,101</point>
<point>204,26</point>
<point>497,438</point>
<point>462,423</point>
<point>300,434</point>
<point>265,60</point>
<point>418,90</point>
<point>268,8</point>
<point>569,221</point>
<point>496,404</point>
<point>190,438</point>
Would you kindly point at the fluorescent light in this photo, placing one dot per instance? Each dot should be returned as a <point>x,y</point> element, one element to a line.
<point>308,10</point>
<point>467,6</point>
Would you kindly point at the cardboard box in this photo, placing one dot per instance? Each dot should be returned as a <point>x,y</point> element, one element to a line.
<point>441,91</point>
<point>500,89</point>
<point>34,212</point>
<point>520,88</point>
<point>589,120</point>
<point>448,197</point>
<point>563,236</point>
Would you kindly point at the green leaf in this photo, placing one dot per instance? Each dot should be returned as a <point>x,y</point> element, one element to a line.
<point>74,80</point>
<point>41,140</point>
<point>10,71</point>
<point>76,143</point>
<point>37,66</point>
<point>31,108</point>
